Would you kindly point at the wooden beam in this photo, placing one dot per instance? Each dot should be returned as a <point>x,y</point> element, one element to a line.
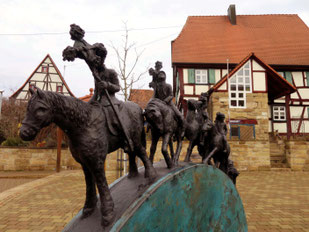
<point>288,116</point>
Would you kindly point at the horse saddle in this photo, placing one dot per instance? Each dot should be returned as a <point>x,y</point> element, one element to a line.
<point>112,122</point>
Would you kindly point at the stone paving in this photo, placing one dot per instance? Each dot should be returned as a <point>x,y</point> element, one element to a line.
<point>273,201</point>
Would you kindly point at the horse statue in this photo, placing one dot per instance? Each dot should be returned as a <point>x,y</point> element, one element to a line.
<point>217,145</point>
<point>163,122</point>
<point>194,123</point>
<point>90,140</point>
<point>197,122</point>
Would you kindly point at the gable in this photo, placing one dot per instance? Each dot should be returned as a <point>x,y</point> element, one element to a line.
<point>46,77</point>
<point>262,78</point>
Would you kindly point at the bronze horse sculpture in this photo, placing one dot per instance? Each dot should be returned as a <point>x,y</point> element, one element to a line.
<point>194,123</point>
<point>163,124</point>
<point>217,146</point>
<point>89,140</point>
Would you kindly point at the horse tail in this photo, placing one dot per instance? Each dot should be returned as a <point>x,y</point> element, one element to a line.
<point>143,136</point>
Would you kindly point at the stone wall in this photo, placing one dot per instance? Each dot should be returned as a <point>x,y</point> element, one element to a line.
<point>251,154</point>
<point>297,154</point>
<point>247,155</point>
<point>15,159</point>
<point>257,108</point>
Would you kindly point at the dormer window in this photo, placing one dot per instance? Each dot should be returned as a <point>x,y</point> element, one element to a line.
<point>239,85</point>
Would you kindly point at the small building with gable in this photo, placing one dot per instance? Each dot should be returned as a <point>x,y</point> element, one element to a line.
<point>47,77</point>
<point>258,66</point>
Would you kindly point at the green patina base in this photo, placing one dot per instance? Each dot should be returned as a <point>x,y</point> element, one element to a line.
<point>191,197</point>
<point>194,198</point>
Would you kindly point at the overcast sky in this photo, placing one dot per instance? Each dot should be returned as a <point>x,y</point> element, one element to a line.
<point>154,25</point>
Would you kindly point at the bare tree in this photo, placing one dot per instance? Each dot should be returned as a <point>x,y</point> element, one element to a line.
<point>127,65</point>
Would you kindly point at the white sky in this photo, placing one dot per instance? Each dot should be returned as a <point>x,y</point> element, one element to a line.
<point>21,54</point>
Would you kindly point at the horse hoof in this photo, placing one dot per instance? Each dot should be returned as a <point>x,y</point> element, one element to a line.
<point>132,174</point>
<point>151,174</point>
<point>108,219</point>
<point>87,212</point>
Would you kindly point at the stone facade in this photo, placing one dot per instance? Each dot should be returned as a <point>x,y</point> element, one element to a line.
<point>251,154</point>
<point>297,155</point>
<point>15,159</point>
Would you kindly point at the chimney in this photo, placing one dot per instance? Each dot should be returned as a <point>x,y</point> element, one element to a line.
<point>231,13</point>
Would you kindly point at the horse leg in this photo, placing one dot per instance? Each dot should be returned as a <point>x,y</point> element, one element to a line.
<point>153,148</point>
<point>189,152</point>
<point>107,204</point>
<point>170,144</point>
<point>205,161</point>
<point>166,139</point>
<point>91,198</point>
<point>178,150</point>
<point>150,172</point>
<point>133,172</point>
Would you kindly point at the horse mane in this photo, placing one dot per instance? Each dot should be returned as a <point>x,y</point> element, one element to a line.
<point>73,108</point>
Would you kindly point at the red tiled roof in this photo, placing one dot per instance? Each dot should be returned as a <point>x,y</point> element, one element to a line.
<point>278,39</point>
<point>86,98</point>
<point>141,96</point>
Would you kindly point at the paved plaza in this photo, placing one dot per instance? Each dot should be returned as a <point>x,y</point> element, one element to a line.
<point>273,201</point>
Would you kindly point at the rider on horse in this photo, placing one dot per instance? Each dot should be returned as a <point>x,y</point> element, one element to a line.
<point>106,80</point>
<point>164,92</point>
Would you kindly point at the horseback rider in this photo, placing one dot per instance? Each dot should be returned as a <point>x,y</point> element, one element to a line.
<point>221,128</point>
<point>164,92</point>
<point>202,105</point>
<point>154,73</point>
<point>106,80</point>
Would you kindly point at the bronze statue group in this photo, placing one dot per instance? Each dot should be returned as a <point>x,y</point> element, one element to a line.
<point>105,124</point>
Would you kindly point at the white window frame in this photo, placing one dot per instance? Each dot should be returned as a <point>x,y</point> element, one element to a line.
<point>279,113</point>
<point>239,85</point>
<point>201,76</point>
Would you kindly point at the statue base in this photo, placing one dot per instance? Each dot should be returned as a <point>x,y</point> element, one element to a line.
<point>190,197</point>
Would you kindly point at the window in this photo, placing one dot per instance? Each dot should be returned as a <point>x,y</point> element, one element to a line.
<point>201,76</point>
<point>239,85</point>
<point>59,89</point>
<point>279,113</point>
<point>242,132</point>
<point>44,69</point>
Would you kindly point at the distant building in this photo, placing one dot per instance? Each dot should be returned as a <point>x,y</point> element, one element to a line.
<point>46,77</point>
<point>141,96</point>
<point>258,66</point>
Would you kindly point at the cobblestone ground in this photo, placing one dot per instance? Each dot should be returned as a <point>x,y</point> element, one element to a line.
<point>273,201</point>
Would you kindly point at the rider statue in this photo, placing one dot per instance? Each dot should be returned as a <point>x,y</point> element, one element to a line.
<point>202,105</point>
<point>221,128</point>
<point>106,80</point>
<point>164,92</point>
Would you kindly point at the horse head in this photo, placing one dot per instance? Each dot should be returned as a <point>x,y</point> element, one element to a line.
<point>38,115</point>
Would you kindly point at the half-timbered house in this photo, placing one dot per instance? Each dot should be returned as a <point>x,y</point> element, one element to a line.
<point>47,77</point>
<point>258,66</point>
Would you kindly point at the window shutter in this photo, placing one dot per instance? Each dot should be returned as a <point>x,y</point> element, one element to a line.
<point>288,77</point>
<point>307,77</point>
<point>211,76</point>
<point>191,76</point>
